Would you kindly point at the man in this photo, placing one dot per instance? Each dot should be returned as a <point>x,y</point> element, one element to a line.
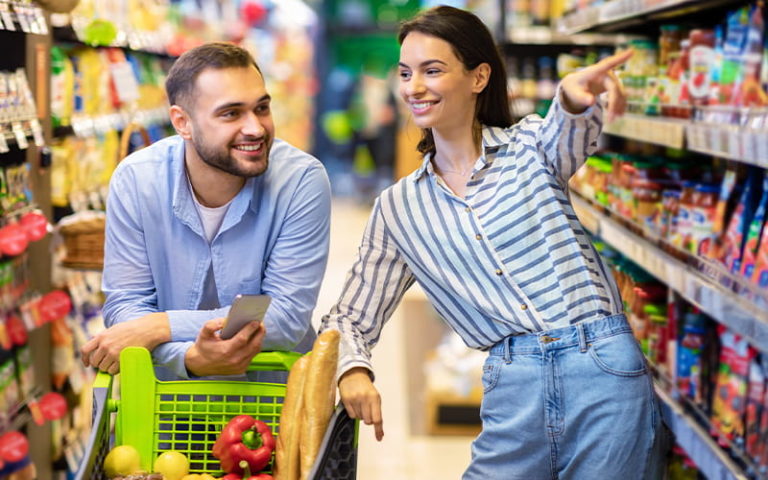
<point>223,208</point>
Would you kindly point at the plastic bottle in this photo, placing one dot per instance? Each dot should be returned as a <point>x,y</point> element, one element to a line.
<point>679,98</point>
<point>701,59</point>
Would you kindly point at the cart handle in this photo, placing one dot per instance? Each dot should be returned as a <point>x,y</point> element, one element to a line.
<point>271,361</point>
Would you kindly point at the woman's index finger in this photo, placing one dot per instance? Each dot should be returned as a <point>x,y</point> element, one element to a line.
<point>614,60</point>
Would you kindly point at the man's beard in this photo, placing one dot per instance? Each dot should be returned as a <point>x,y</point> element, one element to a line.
<point>222,160</point>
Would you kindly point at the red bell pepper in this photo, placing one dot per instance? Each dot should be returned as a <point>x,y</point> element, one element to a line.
<point>244,439</point>
<point>247,475</point>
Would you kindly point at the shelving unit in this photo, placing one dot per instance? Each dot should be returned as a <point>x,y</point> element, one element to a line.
<point>621,15</point>
<point>26,44</point>
<point>704,291</point>
<point>709,457</point>
<point>729,133</point>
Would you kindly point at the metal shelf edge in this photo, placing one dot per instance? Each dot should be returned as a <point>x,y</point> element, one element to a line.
<point>697,443</point>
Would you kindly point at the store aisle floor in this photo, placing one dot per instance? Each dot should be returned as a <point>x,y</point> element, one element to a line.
<point>400,454</point>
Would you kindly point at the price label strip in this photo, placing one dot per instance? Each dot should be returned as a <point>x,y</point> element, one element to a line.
<point>3,143</point>
<point>22,18</point>
<point>37,133</point>
<point>5,14</point>
<point>21,137</point>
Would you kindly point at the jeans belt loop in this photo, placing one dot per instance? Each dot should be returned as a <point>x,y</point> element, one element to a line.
<point>507,354</point>
<point>582,337</point>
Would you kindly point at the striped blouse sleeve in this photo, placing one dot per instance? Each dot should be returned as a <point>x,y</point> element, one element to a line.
<point>372,290</point>
<point>567,139</point>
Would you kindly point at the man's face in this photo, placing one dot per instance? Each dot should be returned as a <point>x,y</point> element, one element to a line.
<point>232,128</point>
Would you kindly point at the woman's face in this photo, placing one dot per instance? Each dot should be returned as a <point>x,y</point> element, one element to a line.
<point>440,93</point>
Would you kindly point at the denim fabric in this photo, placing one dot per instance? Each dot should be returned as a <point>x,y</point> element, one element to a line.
<point>573,403</point>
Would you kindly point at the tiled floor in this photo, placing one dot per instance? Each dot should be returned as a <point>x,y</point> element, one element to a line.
<point>400,454</point>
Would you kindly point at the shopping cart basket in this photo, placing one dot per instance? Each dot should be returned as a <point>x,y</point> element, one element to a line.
<point>187,415</point>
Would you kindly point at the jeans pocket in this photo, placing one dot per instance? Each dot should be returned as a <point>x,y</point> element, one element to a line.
<point>619,355</point>
<point>491,370</point>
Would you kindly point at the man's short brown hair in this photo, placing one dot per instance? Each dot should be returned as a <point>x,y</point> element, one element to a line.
<point>180,82</point>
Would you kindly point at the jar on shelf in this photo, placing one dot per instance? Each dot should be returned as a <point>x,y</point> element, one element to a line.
<point>669,43</point>
<point>624,170</point>
<point>639,68</point>
<point>603,171</point>
<point>648,207</point>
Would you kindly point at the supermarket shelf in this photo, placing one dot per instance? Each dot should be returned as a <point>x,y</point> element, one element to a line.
<point>137,41</point>
<point>89,125</point>
<point>22,17</point>
<point>742,144</point>
<point>739,314</point>
<point>623,14</point>
<point>667,132</point>
<point>711,460</point>
<point>18,131</point>
<point>548,36</point>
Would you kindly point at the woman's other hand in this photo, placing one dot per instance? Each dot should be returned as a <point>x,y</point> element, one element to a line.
<point>361,399</point>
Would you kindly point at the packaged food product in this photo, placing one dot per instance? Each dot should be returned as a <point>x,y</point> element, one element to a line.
<point>682,235</point>
<point>754,233</point>
<point>760,273</point>
<point>670,203</point>
<point>702,218</point>
<point>736,233</point>
<point>728,404</point>
<point>700,62</point>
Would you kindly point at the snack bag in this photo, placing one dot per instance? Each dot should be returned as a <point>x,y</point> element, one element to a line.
<point>749,255</point>
<point>736,233</point>
<point>728,405</point>
<point>755,394</point>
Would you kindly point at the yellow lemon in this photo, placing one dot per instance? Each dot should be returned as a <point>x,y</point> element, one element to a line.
<point>122,460</point>
<point>172,464</point>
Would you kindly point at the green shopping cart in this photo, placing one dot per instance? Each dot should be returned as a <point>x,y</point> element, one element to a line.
<point>156,416</point>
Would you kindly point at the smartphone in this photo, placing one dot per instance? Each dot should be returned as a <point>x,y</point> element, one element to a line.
<point>244,309</point>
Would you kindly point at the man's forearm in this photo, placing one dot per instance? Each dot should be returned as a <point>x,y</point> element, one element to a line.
<point>157,329</point>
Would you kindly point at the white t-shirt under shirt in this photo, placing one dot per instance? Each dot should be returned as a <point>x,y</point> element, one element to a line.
<point>211,219</point>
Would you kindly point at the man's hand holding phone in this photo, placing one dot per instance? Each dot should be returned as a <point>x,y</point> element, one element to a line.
<point>244,310</point>
<point>213,354</point>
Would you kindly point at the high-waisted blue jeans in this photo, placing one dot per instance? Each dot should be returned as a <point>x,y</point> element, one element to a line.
<point>574,403</point>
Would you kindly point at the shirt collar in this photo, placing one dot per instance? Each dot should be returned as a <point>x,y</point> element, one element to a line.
<point>184,204</point>
<point>493,138</point>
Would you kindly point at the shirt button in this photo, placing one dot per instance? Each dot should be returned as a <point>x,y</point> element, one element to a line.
<point>468,209</point>
<point>523,306</point>
<point>478,237</point>
<point>498,271</point>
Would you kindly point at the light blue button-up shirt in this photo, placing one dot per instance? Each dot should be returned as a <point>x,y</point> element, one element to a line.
<point>273,240</point>
<point>510,257</point>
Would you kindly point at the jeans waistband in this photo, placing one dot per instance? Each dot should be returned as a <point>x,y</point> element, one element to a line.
<point>578,334</point>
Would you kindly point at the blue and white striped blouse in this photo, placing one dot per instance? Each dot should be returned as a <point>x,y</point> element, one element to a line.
<point>510,257</point>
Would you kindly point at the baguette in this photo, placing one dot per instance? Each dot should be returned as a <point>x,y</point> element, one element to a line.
<point>287,449</point>
<point>319,397</point>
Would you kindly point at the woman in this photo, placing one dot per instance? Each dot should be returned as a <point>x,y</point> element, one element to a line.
<point>486,228</point>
